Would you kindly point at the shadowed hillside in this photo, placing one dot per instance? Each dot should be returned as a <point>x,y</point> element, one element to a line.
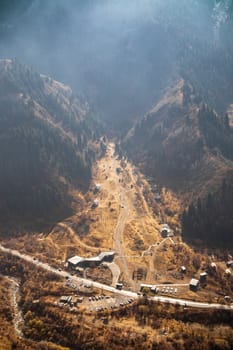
<point>210,220</point>
<point>182,143</point>
<point>46,141</point>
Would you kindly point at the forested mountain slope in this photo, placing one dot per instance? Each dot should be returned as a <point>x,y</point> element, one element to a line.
<point>182,143</point>
<point>188,147</point>
<point>210,220</point>
<point>47,146</point>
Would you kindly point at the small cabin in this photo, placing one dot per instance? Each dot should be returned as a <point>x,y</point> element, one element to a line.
<point>154,290</point>
<point>227,298</point>
<point>213,266</point>
<point>119,286</point>
<point>229,263</point>
<point>183,269</point>
<point>203,277</point>
<point>165,230</point>
<point>97,188</point>
<point>194,284</point>
<point>95,204</point>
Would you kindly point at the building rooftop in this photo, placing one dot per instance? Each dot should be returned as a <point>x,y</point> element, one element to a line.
<point>95,203</point>
<point>154,289</point>
<point>94,258</point>
<point>104,254</point>
<point>75,260</point>
<point>194,282</point>
<point>144,285</point>
<point>119,286</point>
<point>203,274</point>
<point>165,228</point>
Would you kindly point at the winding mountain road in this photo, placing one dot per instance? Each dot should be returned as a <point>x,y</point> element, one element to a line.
<point>127,293</point>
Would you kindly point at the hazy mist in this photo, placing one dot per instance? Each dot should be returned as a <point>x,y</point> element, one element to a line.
<point>120,54</point>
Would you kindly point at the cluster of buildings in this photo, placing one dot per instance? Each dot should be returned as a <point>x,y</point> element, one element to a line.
<point>194,284</point>
<point>77,262</point>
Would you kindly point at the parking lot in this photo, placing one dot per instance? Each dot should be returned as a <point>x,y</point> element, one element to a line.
<point>97,302</point>
<point>78,287</point>
<point>105,302</point>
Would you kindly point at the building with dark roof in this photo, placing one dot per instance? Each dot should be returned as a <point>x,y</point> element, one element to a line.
<point>203,277</point>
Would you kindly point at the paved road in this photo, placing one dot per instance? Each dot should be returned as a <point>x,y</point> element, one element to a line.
<point>116,272</point>
<point>105,287</point>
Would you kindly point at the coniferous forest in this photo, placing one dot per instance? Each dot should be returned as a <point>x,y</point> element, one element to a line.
<point>210,221</point>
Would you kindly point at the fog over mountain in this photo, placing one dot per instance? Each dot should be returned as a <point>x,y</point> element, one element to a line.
<point>121,54</point>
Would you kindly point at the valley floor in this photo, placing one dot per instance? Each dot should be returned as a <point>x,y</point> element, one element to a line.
<point>124,213</point>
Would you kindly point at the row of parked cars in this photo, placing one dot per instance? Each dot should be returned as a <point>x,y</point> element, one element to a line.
<point>168,290</point>
<point>99,297</point>
<point>115,306</point>
<point>70,283</point>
